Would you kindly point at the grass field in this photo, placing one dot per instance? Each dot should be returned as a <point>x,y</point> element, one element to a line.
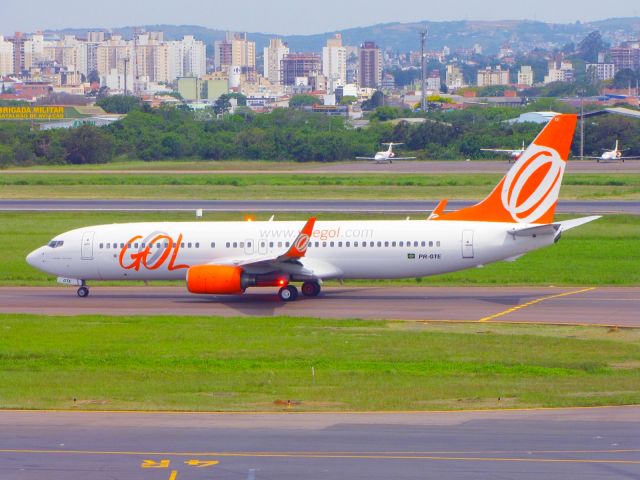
<point>287,186</point>
<point>604,252</point>
<point>257,364</point>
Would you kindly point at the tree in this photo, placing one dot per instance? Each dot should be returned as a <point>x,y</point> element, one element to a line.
<point>222,105</point>
<point>348,100</point>
<point>93,77</point>
<point>624,78</point>
<point>589,48</point>
<point>119,103</point>
<point>304,100</point>
<point>87,144</point>
<point>376,100</point>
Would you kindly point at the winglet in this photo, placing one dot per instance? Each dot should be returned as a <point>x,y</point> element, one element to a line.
<point>299,246</point>
<point>439,210</point>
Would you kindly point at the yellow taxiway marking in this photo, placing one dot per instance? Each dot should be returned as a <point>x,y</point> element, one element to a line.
<point>336,455</point>
<point>174,475</point>
<point>533,302</point>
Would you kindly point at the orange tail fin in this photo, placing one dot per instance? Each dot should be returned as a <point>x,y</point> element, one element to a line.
<point>528,193</point>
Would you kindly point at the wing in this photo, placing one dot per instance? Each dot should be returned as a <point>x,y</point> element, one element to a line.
<point>628,158</point>
<point>365,158</point>
<point>403,158</point>
<point>499,150</point>
<point>291,262</point>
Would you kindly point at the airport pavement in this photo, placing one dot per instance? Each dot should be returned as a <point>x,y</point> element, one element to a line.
<point>550,305</point>
<point>588,443</point>
<point>354,167</point>
<point>415,207</point>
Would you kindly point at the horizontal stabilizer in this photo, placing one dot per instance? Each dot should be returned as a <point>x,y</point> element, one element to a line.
<point>549,229</point>
<point>576,222</point>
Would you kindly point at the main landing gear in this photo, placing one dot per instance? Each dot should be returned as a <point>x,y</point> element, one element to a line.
<point>290,292</point>
<point>310,289</point>
<point>83,292</point>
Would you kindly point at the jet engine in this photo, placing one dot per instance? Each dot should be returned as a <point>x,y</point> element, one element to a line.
<point>216,279</point>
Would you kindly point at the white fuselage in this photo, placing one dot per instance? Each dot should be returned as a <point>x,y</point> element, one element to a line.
<point>337,249</point>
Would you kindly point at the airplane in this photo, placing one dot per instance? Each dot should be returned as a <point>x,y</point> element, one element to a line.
<point>386,155</point>
<point>613,155</point>
<point>513,154</point>
<point>218,258</point>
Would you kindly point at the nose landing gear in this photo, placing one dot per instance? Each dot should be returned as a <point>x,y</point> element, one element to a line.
<point>83,292</point>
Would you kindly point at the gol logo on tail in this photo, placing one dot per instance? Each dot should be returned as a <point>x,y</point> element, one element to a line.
<point>144,258</point>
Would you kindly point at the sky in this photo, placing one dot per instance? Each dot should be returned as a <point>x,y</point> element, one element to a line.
<point>288,17</point>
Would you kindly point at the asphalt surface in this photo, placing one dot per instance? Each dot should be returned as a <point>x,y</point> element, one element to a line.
<point>420,166</point>
<point>316,206</point>
<point>599,443</point>
<point>551,305</point>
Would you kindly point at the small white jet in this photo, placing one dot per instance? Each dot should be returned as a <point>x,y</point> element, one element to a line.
<point>613,155</point>
<point>386,156</point>
<point>219,258</point>
<point>513,154</point>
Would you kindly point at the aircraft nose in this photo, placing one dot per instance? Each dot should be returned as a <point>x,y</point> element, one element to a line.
<point>35,257</point>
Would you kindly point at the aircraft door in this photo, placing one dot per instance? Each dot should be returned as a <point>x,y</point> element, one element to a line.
<point>87,245</point>
<point>467,244</point>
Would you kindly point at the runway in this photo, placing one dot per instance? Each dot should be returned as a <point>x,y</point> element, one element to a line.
<point>549,305</point>
<point>562,444</point>
<point>353,167</point>
<point>587,207</point>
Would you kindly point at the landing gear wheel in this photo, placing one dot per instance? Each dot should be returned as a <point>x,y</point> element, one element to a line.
<point>288,293</point>
<point>83,292</point>
<point>310,289</point>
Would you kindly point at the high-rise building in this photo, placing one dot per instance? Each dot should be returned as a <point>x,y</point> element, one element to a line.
<point>454,78</point>
<point>559,71</point>
<point>489,77</point>
<point>334,63</point>
<point>195,57</point>
<point>600,71</point>
<point>298,65</point>
<point>525,75</point>
<point>18,41</point>
<point>273,54</point>
<point>626,55</point>
<point>6,57</point>
<point>235,51</point>
<point>370,65</point>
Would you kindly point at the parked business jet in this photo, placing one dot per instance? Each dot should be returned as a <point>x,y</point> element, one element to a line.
<point>386,155</point>
<point>513,154</point>
<point>228,257</point>
<point>613,155</point>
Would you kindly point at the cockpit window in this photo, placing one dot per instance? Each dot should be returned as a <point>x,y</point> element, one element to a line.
<point>55,243</point>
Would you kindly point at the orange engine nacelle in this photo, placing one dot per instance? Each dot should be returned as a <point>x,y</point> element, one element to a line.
<point>216,279</point>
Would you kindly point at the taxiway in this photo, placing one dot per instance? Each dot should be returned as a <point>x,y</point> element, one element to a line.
<point>587,443</point>
<point>550,305</point>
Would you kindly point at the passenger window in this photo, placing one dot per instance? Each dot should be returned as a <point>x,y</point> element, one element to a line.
<point>228,244</point>
<point>331,244</point>
<point>182,245</point>
<point>287,244</point>
<point>143,245</point>
<point>249,244</point>
<point>415,244</point>
<point>393,244</point>
<point>108,245</point>
<point>379,244</point>
<point>355,244</point>
<point>386,244</point>
<point>241,244</point>
<point>348,244</point>
<point>101,246</point>
<point>324,244</point>
<point>402,244</point>
<point>431,244</point>
<point>235,244</point>
<point>135,245</point>
<point>364,244</point>
<point>122,245</point>
<point>213,244</point>
<point>424,244</point>
<point>339,244</point>
<point>279,244</point>
<point>270,244</point>
<point>317,244</point>
<point>262,244</point>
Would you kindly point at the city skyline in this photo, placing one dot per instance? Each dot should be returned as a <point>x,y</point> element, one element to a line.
<point>286,17</point>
